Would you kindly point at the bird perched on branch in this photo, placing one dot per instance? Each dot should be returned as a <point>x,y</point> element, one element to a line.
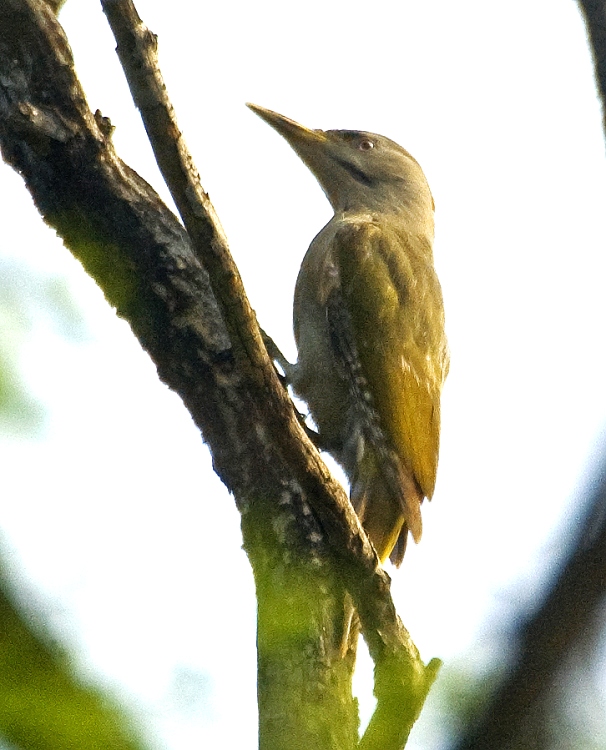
<point>369,326</point>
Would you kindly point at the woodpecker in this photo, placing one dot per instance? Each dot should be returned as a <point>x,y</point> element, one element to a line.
<point>369,326</point>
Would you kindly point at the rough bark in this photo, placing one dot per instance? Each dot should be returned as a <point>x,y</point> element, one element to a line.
<point>182,296</point>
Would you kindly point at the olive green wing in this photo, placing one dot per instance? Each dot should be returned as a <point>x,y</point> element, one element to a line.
<point>394,301</point>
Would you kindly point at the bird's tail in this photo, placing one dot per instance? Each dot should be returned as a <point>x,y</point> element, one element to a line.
<point>387,501</point>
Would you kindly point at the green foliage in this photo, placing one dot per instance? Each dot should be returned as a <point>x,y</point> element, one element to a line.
<point>27,300</point>
<point>43,706</point>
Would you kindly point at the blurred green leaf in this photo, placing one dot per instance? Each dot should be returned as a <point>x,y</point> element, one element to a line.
<point>27,299</point>
<point>43,704</point>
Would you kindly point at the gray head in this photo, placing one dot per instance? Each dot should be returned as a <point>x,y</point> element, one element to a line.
<point>358,171</point>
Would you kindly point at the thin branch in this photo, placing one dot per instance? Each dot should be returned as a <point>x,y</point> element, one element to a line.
<point>401,679</point>
<point>595,21</point>
<point>137,51</point>
<point>143,260</point>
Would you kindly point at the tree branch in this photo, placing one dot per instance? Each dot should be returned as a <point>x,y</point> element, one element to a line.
<point>302,536</point>
<point>547,639</point>
<point>570,608</point>
<point>594,12</point>
<point>137,50</point>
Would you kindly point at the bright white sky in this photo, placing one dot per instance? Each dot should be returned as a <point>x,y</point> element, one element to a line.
<point>115,516</point>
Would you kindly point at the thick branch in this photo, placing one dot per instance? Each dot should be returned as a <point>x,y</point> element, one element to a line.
<point>547,639</point>
<point>401,680</point>
<point>143,260</point>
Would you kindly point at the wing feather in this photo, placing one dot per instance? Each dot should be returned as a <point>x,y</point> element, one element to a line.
<point>394,301</point>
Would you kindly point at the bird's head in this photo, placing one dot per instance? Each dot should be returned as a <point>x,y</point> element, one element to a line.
<point>358,171</point>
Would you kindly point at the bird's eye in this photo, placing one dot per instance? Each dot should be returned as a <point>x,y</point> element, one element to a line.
<point>366,145</point>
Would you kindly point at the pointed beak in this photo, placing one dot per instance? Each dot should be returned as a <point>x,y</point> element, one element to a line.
<point>303,140</point>
<point>314,148</point>
<point>329,160</point>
